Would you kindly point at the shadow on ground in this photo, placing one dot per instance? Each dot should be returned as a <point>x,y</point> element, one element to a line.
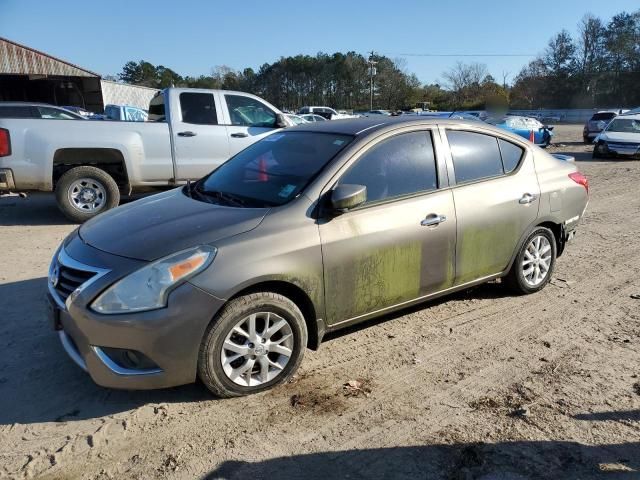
<point>39,383</point>
<point>486,291</point>
<point>38,208</point>
<point>481,461</point>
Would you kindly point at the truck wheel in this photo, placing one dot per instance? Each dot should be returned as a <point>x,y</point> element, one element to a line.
<point>255,342</point>
<point>83,192</point>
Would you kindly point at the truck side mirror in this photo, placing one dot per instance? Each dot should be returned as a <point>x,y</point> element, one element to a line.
<point>281,121</point>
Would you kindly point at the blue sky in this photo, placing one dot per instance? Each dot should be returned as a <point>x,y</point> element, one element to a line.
<point>192,36</point>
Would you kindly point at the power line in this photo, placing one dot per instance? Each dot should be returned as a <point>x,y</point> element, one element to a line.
<point>463,54</point>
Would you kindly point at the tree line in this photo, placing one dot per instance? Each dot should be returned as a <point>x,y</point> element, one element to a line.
<point>599,67</point>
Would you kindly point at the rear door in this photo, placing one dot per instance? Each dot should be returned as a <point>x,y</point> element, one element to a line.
<point>199,137</point>
<point>399,245</point>
<point>247,120</point>
<point>496,197</point>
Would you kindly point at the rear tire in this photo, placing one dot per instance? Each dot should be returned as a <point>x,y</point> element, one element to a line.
<point>238,359</point>
<point>84,192</point>
<point>533,266</point>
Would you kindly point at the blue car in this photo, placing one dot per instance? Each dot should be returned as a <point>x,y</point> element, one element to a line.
<point>525,127</point>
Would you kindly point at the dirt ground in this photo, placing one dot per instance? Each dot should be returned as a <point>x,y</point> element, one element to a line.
<point>478,385</point>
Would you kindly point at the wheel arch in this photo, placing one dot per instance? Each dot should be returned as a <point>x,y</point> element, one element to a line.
<point>558,234</point>
<point>110,160</point>
<point>315,326</point>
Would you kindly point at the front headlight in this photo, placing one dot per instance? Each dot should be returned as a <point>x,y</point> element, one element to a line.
<point>148,288</point>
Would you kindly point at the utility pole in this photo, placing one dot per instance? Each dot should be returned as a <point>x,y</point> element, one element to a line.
<point>372,73</point>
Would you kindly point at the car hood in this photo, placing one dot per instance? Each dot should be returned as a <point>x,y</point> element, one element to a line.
<point>620,137</point>
<point>161,224</point>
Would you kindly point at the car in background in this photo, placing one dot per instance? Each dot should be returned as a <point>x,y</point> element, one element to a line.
<point>326,112</point>
<point>79,110</point>
<point>230,278</point>
<point>372,113</point>
<point>634,111</point>
<point>125,113</point>
<point>312,117</point>
<point>596,124</point>
<point>529,128</point>
<point>621,137</point>
<point>464,116</point>
<point>36,110</point>
<point>295,119</point>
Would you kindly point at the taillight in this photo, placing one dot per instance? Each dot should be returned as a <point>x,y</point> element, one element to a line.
<point>5,142</point>
<point>580,179</point>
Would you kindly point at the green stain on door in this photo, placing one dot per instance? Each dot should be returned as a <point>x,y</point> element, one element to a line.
<point>375,280</point>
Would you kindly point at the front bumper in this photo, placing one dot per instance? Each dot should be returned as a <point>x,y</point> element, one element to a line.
<point>170,337</point>
<point>626,149</point>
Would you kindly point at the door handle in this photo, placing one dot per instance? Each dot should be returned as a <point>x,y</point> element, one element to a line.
<point>187,134</point>
<point>527,198</point>
<point>239,135</point>
<point>433,220</point>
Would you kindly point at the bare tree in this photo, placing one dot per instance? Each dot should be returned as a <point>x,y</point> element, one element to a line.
<point>590,45</point>
<point>464,75</point>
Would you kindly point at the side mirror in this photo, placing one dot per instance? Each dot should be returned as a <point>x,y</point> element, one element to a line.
<point>281,121</point>
<point>346,197</point>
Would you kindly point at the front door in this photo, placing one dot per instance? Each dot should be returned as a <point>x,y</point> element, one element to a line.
<point>496,199</point>
<point>400,244</point>
<point>200,139</point>
<point>248,121</point>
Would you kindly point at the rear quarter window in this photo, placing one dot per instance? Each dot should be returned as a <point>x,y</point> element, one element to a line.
<point>16,112</point>
<point>603,116</point>
<point>511,155</point>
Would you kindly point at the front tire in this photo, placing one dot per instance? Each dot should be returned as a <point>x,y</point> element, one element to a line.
<point>257,341</point>
<point>533,266</point>
<point>599,151</point>
<point>84,192</point>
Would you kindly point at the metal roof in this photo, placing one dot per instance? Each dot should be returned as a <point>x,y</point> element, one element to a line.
<point>16,59</point>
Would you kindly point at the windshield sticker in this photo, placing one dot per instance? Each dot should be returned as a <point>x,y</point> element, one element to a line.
<point>338,142</point>
<point>286,190</point>
<point>273,138</point>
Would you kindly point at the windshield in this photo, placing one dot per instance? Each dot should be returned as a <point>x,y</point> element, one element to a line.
<point>626,125</point>
<point>272,171</point>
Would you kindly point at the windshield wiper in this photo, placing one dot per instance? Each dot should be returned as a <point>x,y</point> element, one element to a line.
<point>227,198</point>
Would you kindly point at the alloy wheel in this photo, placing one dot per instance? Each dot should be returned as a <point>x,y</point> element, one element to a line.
<point>536,260</point>
<point>257,349</point>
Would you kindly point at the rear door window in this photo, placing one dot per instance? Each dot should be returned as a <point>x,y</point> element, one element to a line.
<point>198,108</point>
<point>401,165</point>
<point>475,156</point>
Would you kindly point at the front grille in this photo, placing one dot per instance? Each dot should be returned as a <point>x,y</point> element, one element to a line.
<point>69,279</point>
<point>66,275</point>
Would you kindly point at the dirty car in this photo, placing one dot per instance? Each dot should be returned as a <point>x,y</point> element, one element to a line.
<point>314,228</point>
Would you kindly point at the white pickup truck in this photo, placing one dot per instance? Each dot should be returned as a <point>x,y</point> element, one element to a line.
<point>89,164</point>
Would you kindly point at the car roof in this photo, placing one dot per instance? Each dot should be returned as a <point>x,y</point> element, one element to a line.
<point>633,116</point>
<point>28,104</point>
<point>362,125</point>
